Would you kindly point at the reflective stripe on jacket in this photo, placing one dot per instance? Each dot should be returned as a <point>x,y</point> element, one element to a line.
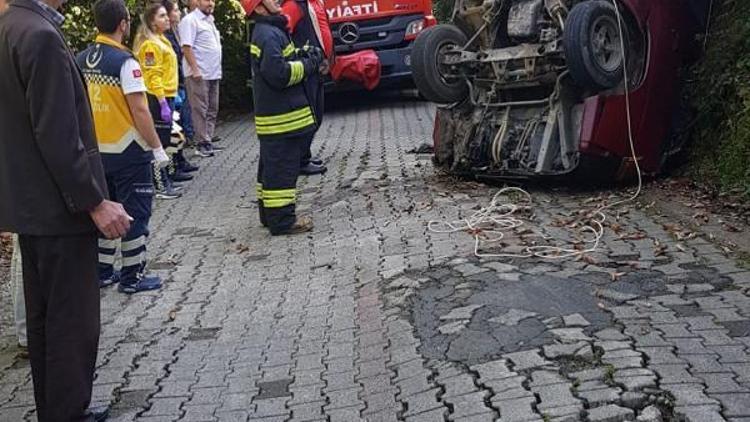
<point>281,105</point>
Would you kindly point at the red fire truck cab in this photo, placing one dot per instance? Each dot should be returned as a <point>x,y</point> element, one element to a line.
<point>389,27</point>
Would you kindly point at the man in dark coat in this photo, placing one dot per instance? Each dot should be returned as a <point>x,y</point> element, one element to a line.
<point>53,194</point>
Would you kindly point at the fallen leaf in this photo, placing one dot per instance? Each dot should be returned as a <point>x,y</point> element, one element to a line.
<point>615,276</point>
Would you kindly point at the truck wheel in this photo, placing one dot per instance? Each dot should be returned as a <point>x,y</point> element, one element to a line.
<point>593,48</point>
<point>429,74</point>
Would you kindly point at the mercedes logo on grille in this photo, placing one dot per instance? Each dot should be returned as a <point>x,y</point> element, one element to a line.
<point>349,32</point>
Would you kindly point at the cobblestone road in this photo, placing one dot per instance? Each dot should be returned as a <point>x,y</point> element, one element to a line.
<point>375,318</point>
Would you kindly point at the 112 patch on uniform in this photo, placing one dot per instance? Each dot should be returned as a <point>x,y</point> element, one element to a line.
<point>150,58</point>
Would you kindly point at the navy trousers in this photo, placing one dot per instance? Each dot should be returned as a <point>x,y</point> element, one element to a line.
<point>132,186</point>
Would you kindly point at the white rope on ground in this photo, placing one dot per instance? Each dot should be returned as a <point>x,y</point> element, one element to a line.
<point>489,224</point>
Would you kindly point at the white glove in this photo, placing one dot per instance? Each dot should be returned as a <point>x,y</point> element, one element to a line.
<point>161,158</point>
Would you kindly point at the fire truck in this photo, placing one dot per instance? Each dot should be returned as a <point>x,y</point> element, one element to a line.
<point>389,27</point>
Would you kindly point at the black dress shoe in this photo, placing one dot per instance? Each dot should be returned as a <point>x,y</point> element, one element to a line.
<point>187,167</point>
<point>311,169</point>
<point>100,413</point>
<point>216,139</point>
<point>181,176</point>
<point>316,160</point>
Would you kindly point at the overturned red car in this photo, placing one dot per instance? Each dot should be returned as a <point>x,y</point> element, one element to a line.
<point>538,88</point>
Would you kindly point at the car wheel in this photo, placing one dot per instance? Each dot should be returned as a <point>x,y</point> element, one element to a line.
<point>593,45</point>
<point>430,74</point>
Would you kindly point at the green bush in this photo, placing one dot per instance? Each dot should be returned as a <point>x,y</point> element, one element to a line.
<point>80,31</point>
<point>443,9</point>
<point>720,94</point>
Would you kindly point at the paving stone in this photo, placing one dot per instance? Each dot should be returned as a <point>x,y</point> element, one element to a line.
<point>500,267</point>
<point>468,404</point>
<point>542,378</point>
<point>526,360</point>
<point>564,413</point>
<point>615,296</point>
<point>517,410</point>
<point>613,345</point>
<point>650,414</point>
<point>346,414</point>
<point>596,398</point>
<point>699,413</point>
<point>610,334</point>
<point>461,313</point>
<point>484,417</point>
<point>638,383</point>
<point>453,327</point>
<point>493,370</point>
<point>555,351</point>
<point>429,416</point>
<point>717,383</point>
<point>575,320</point>
<point>674,374</point>
<point>735,404</point>
<point>633,400</point>
<point>421,402</point>
<point>458,385</point>
<point>570,335</point>
<point>588,375</point>
<point>555,395</point>
<point>689,394</point>
<point>512,317</point>
<point>611,413</point>
<point>661,355</point>
<point>703,363</point>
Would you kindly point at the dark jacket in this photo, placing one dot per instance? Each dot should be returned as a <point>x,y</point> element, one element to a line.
<point>281,105</point>
<point>51,173</point>
<point>172,37</point>
<point>304,33</point>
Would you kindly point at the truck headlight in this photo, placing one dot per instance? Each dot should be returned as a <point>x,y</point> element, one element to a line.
<point>413,29</point>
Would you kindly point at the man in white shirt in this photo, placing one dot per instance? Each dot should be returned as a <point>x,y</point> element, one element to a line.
<point>201,46</point>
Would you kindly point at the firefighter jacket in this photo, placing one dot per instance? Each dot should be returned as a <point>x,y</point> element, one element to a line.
<point>118,139</point>
<point>281,105</point>
<point>160,68</point>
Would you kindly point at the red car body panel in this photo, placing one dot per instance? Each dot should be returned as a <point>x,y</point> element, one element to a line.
<point>604,130</point>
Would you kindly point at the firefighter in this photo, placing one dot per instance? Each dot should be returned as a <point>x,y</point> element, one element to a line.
<point>284,120</point>
<point>307,21</point>
<point>160,71</point>
<point>127,140</point>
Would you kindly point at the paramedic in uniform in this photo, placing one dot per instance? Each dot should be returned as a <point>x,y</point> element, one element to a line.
<point>127,140</point>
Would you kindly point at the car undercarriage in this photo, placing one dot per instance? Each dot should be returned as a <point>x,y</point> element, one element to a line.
<point>511,77</point>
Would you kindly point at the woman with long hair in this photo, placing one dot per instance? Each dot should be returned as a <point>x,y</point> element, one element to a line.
<point>160,72</point>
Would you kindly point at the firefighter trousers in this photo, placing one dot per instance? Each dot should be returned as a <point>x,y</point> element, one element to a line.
<point>278,169</point>
<point>132,186</point>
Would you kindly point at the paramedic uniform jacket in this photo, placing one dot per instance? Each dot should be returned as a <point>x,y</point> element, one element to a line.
<point>119,141</point>
<point>281,106</point>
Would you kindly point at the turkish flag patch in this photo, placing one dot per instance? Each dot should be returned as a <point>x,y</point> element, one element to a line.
<point>150,58</point>
<point>137,73</point>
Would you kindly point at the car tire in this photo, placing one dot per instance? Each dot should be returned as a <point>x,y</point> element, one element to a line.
<point>425,65</point>
<point>593,50</point>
